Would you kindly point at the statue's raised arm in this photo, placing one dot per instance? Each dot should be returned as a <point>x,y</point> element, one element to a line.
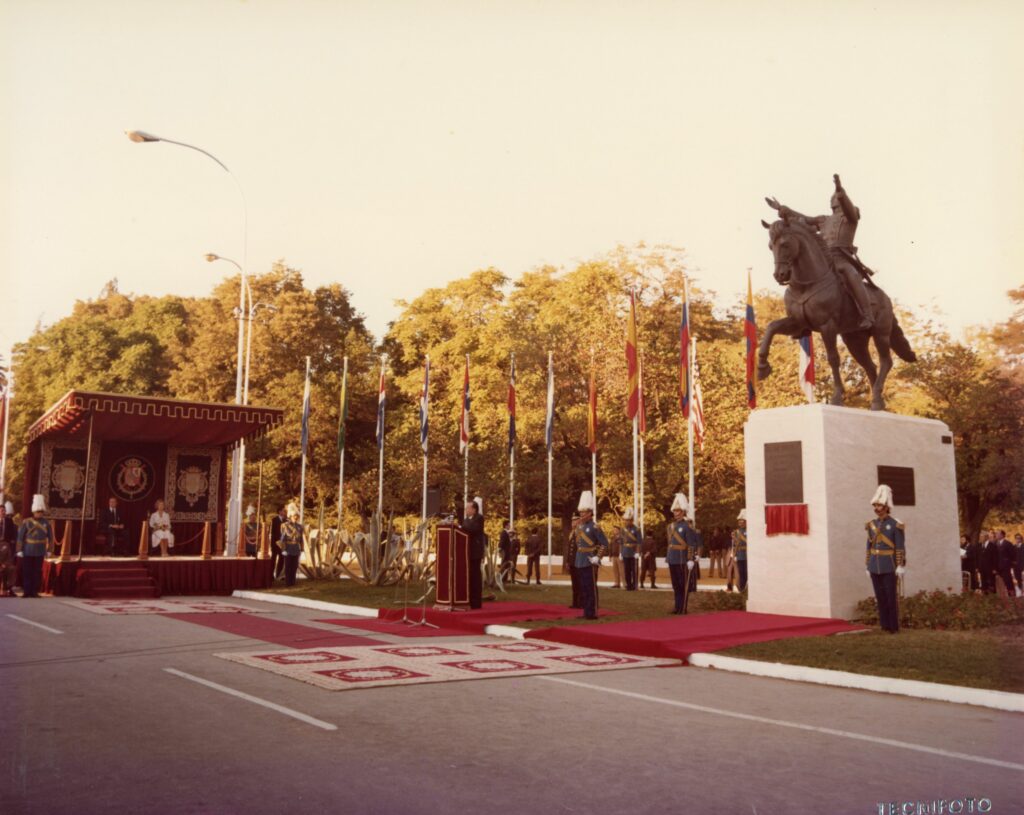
<point>845,204</point>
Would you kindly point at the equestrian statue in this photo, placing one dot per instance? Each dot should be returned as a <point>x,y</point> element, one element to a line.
<point>830,291</point>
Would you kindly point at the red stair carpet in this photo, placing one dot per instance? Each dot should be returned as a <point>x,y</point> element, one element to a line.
<point>691,634</point>
<point>115,580</point>
<point>278,632</point>
<point>475,620</point>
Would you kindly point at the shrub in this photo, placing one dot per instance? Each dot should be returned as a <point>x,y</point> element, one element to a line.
<point>719,601</point>
<point>952,611</point>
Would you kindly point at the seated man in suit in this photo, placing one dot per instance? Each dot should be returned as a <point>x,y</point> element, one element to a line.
<point>112,525</point>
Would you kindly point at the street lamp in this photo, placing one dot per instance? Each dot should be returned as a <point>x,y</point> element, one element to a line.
<point>237,460</point>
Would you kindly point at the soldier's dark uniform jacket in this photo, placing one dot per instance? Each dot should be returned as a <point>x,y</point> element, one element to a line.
<point>682,543</point>
<point>590,542</point>
<point>885,547</point>
<point>739,539</point>
<point>630,539</point>
<point>35,537</point>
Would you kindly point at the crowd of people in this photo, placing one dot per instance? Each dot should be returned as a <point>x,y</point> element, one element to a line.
<point>993,563</point>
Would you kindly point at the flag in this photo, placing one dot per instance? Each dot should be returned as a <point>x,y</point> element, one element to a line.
<point>512,407</point>
<point>305,413</point>
<point>632,365</point>
<point>592,413</point>
<point>684,355</point>
<point>549,421</point>
<point>750,330</point>
<point>806,343</point>
<point>698,402</point>
<point>382,399</point>
<point>641,410</point>
<point>343,409</point>
<point>464,418</point>
<point>425,406</point>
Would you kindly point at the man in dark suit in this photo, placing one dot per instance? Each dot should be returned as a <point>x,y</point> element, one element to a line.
<point>473,525</point>
<point>969,562</point>
<point>276,555</point>
<point>112,525</point>
<point>1007,560</point>
<point>988,562</point>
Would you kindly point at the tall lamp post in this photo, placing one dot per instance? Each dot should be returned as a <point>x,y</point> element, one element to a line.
<point>237,459</point>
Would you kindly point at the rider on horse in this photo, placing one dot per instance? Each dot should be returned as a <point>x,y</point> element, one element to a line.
<point>838,230</point>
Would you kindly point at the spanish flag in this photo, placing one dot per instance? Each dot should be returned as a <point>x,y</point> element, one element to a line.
<point>632,364</point>
<point>750,331</point>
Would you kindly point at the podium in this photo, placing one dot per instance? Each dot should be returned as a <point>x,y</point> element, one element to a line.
<point>452,569</point>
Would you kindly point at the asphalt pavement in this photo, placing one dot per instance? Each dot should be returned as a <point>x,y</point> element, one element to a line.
<point>134,714</point>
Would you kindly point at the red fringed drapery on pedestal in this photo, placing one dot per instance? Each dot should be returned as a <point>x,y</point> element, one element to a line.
<point>786,519</point>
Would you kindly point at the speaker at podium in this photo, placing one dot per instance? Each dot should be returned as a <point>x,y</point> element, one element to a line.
<point>452,568</point>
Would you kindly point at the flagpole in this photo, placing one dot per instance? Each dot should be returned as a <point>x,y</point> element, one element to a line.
<point>341,452</point>
<point>512,453</point>
<point>302,487</point>
<point>593,453</point>
<point>7,424</point>
<point>380,462</point>
<point>551,457</point>
<point>641,414</point>
<point>465,465</point>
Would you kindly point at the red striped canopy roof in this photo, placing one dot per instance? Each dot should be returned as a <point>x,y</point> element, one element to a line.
<point>117,417</point>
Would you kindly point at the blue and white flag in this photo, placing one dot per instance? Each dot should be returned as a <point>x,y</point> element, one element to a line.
<point>806,343</point>
<point>425,406</point>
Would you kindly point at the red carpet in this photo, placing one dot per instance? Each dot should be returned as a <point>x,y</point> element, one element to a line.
<point>690,634</point>
<point>389,627</point>
<point>278,632</point>
<point>476,620</point>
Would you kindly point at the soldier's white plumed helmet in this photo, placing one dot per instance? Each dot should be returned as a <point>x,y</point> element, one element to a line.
<point>627,513</point>
<point>250,510</point>
<point>680,503</point>
<point>38,503</point>
<point>586,501</point>
<point>883,495</point>
<point>743,515</point>
<point>292,510</point>
<point>479,504</point>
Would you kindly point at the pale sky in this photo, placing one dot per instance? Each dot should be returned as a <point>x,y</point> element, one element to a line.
<point>394,146</point>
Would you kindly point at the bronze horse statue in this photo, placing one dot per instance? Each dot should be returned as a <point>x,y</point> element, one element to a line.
<point>817,300</point>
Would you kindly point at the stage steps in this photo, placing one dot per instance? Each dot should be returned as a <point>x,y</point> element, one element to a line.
<point>115,580</point>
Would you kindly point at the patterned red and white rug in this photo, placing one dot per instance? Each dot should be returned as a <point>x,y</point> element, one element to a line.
<point>376,666</point>
<point>162,606</point>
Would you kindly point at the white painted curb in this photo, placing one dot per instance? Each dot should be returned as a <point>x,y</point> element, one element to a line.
<point>302,602</point>
<point>998,700</point>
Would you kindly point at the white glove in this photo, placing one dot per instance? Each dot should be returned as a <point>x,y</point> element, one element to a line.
<point>963,553</point>
<point>595,561</point>
<point>689,564</point>
<point>21,554</point>
<point>901,570</point>
<point>867,572</point>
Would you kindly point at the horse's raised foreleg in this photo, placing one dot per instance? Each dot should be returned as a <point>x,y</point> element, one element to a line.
<point>884,366</point>
<point>828,339</point>
<point>787,326</point>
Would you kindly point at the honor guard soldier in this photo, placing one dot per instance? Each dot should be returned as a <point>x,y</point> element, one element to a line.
<point>886,558</point>
<point>630,539</point>
<point>739,547</point>
<point>682,552</point>
<point>35,541</point>
<point>590,545</point>
<point>252,531</point>
<point>569,561</point>
<point>291,544</point>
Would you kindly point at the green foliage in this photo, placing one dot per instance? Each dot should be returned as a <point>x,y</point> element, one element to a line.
<point>941,611</point>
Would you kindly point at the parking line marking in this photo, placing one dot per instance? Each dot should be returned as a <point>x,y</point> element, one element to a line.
<point>33,622</point>
<point>302,717</point>
<point>828,731</point>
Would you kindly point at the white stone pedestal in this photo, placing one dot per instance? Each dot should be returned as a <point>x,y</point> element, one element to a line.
<point>821,574</point>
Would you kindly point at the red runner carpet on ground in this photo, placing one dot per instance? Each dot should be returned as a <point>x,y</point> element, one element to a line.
<point>278,632</point>
<point>475,620</point>
<point>691,634</point>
